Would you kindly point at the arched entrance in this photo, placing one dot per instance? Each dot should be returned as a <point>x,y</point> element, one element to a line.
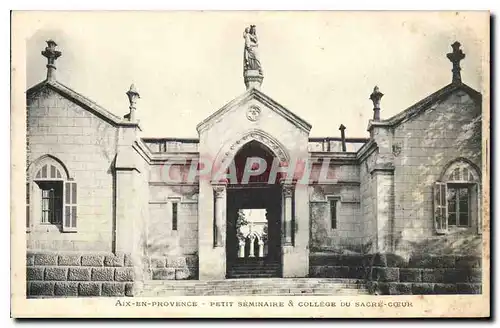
<point>253,229</point>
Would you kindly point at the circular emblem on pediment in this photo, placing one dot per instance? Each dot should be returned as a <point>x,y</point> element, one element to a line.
<point>253,113</point>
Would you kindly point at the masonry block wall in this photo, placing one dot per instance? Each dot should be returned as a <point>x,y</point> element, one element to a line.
<point>348,232</point>
<point>66,274</point>
<point>423,147</point>
<point>390,274</point>
<point>142,270</point>
<point>367,201</point>
<point>86,144</point>
<point>172,247</point>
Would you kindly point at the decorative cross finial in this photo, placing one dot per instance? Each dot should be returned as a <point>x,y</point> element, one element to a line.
<point>51,54</point>
<point>375,98</point>
<point>455,57</point>
<point>132,95</point>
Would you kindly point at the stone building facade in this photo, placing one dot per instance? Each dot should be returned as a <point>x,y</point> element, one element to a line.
<point>108,212</point>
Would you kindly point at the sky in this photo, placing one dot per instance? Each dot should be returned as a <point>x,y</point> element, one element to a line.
<point>320,65</point>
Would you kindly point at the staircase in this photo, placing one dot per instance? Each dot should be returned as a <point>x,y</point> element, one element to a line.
<point>254,286</point>
<point>254,268</point>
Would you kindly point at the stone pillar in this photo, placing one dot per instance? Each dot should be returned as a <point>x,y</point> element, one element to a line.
<point>295,241</point>
<point>342,136</point>
<point>212,258</point>
<point>131,197</point>
<point>126,210</point>
<point>241,249</point>
<point>383,179</point>
<point>252,251</point>
<point>382,172</point>
<point>220,214</point>
<point>287,190</point>
<point>261,248</point>
<point>129,192</point>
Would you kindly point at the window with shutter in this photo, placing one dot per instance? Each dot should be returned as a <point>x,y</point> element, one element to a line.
<point>461,184</point>
<point>440,208</point>
<point>51,201</point>
<point>51,196</point>
<point>70,207</point>
<point>458,205</point>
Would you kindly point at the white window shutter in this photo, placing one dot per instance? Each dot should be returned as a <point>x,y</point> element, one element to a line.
<point>70,207</point>
<point>440,208</point>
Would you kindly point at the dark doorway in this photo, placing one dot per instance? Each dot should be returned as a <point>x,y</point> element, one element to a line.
<point>253,235</point>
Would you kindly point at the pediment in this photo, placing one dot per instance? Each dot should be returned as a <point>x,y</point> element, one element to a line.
<point>254,95</point>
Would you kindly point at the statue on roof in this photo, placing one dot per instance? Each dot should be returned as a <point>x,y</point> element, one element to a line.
<point>251,59</point>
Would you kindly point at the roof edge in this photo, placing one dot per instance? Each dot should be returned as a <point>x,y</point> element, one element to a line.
<point>84,102</point>
<point>421,105</point>
<point>301,123</point>
<point>202,125</point>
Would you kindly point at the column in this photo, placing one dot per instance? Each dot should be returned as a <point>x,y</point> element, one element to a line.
<point>252,251</point>
<point>241,249</point>
<point>261,248</point>
<point>295,242</point>
<point>126,211</point>
<point>131,196</point>
<point>220,214</point>
<point>383,180</point>
<point>211,232</point>
<point>288,214</point>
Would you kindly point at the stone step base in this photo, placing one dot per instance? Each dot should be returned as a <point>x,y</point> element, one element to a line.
<point>255,265</point>
<point>255,286</point>
<point>235,275</point>
<point>255,270</point>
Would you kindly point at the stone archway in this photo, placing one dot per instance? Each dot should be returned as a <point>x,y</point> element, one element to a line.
<point>218,248</point>
<point>253,210</point>
<point>229,150</point>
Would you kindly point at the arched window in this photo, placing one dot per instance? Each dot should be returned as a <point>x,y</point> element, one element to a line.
<point>456,198</point>
<point>51,196</point>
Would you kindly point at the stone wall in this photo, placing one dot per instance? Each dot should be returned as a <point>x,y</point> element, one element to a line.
<point>367,197</point>
<point>173,267</point>
<point>422,148</point>
<point>348,233</point>
<point>392,275</point>
<point>162,239</point>
<point>172,254</point>
<point>86,145</point>
<point>53,274</point>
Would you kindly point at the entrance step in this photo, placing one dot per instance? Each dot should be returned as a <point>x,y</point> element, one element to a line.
<point>253,268</point>
<point>255,286</point>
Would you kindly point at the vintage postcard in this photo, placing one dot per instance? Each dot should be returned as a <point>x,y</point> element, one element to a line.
<point>250,164</point>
